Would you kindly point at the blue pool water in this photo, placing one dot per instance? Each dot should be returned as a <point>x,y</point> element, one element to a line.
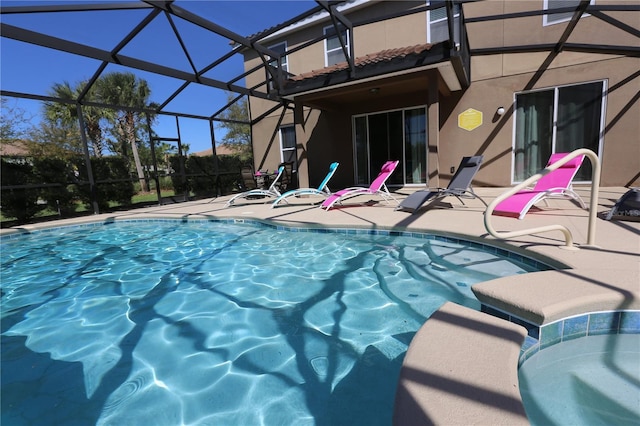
<point>588,381</point>
<point>202,322</point>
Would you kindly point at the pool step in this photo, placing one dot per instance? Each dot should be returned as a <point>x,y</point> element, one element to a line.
<point>461,369</point>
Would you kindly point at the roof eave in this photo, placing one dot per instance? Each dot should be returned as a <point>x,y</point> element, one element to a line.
<point>437,57</point>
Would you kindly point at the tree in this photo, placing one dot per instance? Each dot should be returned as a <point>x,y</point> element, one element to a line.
<point>126,90</point>
<point>238,129</point>
<point>65,115</point>
<point>52,140</point>
<point>12,122</point>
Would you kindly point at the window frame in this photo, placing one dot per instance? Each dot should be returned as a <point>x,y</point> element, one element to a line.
<point>285,60</point>
<point>294,149</point>
<point>456,15</point>
<point>556,90</point>
<point>371,173</point>
<point>326,43</point>
<point>545,18</point>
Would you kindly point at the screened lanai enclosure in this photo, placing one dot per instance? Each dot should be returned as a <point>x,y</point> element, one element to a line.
<point>105,100</point>
<point>107,105</point>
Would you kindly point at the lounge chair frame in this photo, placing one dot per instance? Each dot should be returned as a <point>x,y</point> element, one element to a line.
<point>459,187</point>
<point>553,185</point>
<point>322,189</point>
<point>270,192</point>
<point>378,187</point>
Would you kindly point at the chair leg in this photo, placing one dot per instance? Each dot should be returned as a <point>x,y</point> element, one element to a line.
<point>460,199</point>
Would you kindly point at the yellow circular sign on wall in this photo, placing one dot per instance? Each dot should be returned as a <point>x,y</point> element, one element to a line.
<point>470,119</point>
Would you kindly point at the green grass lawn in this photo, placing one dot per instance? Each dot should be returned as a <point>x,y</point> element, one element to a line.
<point>140,198</point>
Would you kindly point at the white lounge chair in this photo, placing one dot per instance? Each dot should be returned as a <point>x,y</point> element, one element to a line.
<point>271,192</point>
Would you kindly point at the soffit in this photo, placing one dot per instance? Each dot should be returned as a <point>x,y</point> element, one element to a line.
<point>340,97</point>
<point>399,68</point>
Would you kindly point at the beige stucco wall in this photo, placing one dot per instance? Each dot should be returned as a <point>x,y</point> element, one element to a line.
<point>392,33</point>
<point>333,142</point>
<point>530,30</point>
<point>620,154</point>
<point>326,136</point>
<point>398,32</point>
<point>266,139</point>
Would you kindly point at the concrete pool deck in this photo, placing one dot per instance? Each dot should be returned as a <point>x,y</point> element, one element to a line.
<point>605,278</point>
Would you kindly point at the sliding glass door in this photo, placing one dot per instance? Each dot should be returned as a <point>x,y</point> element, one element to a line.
<point>393,135</point>
<point>560,119</point>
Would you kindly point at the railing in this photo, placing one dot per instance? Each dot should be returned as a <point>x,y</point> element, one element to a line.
<point>593,203</point>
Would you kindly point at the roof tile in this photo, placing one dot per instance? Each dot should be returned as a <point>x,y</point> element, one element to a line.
<point>387,55</point>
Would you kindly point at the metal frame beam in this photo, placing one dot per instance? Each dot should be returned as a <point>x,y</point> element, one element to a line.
<point>256,43</point>
<point>55,43</point>
<point>338,18</point>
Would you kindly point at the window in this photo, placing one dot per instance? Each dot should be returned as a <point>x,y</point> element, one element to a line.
<point>557,18</point>
<point>438,29</point>
<point>288,150</point>
<point>332,47</point>
<point>560,119</point>
<point>280,48</point>
<point>393,135</point>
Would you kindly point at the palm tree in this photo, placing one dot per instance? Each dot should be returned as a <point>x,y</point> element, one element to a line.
<point>125,90</point>
<point>66,115</point>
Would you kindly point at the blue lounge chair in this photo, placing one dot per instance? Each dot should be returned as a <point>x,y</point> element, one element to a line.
<point>322,189</point>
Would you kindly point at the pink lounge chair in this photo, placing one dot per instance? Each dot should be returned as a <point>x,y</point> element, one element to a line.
<point>377,187</point>
<point>555,184</point>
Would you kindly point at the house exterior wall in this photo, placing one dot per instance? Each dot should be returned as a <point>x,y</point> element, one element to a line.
<point>620,155</point>
<point>324,136</point>
<point>333,143</point>
<point>530,30</point>
<point>497,78</point>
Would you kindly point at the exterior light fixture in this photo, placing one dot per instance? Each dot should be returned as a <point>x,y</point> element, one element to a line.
<point>500,111</point>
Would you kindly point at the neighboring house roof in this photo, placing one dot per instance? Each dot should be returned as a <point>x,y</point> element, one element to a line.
<point>220,150</point>
<point>17,149</point>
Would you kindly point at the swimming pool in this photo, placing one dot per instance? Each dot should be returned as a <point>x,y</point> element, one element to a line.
<point>583,370</point>
<point>593,380</point>
<point>218,322</point>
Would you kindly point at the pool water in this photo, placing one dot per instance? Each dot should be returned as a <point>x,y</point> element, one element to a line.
<point>203,322</point>
<point>588,381</point>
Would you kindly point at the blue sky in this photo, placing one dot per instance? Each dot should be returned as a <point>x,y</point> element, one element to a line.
<point>33,69</point>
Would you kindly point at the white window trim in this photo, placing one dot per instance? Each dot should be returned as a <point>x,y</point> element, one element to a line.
<point>603,115</point>
<point>545,18</point>
<point>285,58</point>
<point>326,50</point>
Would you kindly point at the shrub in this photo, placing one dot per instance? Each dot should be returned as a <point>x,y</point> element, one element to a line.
<point>21,203</point>
<point>112,181</point>
<point>201,176</point>
<point>57,172</point>
<point>229,167</point>
<point>179,186</point>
